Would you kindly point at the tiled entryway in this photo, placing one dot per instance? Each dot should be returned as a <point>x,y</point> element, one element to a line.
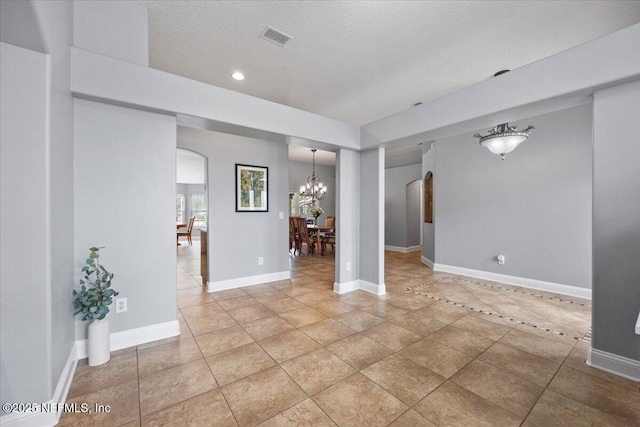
<point>438,349</point>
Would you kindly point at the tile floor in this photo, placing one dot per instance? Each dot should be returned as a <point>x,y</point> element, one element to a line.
<point>437,350</point>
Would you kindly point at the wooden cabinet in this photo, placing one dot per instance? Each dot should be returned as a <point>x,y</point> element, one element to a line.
<point>203,256</point>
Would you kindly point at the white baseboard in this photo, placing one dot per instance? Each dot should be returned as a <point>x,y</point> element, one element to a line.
<point>614,364</point>
<point>343,288</point>
<point>377,289</point>
<point>518,281</point>
<point>51,416</point>
<point>137,336</point>
<point>223,285</point>
<point>402,249</point>
<point>428,262</point>
<point>354,285</point>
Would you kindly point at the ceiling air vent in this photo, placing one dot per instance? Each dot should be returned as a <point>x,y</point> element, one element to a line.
<point>275,36</point>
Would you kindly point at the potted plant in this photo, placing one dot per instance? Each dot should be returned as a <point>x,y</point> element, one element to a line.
<point>92,301</point>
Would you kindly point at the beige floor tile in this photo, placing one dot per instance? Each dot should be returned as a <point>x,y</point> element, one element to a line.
<point>333,308</point>
<point>461,340</point>
<point>482,327</point>
<point>235,303</point>
<point>222,340</point>
<point>327,331</point>
<point>392,336</point>
<point>190,301</point>
<point>261,396</point>
<point>358,320</point>
<point>295,291</point>
<point>412,419</point>
<point>228,294</point>
<point>506,390</point>
<point>359,351</point>
<point>357,401</point>
<point>238,363</point>
<point>123,404</point>
<point>204,324</point>
<point>443,312</point>
<point>305,413</point>
<point>118,370</point>
<point>174,385</point>
<point>202,310</point>
<point>419,324</point>
<point>288,345</point>
<point>208,409</point>
<point>317,370</point>
<point>359,299</point>
<point>302,316</point>
<point>282,305</point>
<point>605,396</point>
<point>385,311</point>
<point>525,365</point>
<point>313,298</point>
<point>556,410</point>
<point>543,347</point>
<point>452,405</point>
<point>409,301</point>
<point>438,358</point>
<point>267,327</point>
<point>249,313</point>
<point>403,378</point>
<point>159,358</point>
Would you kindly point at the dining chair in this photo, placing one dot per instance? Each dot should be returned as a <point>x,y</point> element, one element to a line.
<point>294,238</point>
<point>329,237</point>
<point>304,236</point>
<point>187,232</point>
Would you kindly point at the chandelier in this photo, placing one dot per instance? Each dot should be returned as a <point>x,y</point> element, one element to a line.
<point>314,188</point>
<point>503,138</point>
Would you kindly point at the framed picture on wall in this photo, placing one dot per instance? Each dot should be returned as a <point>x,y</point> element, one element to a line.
<point>252,188</point>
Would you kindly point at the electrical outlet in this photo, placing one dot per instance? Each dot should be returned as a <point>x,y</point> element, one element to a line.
<point>121,305</point>
<point>281,215</point>
<point>348,266</point>
<point>260,261</point>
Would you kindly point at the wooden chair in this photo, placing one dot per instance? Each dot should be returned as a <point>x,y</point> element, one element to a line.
<point>294,238</point>
<point>187,232</point>
<point>304,236</point>
<point>329,237</point>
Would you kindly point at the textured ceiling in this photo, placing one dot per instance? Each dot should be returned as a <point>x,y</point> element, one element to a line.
<point>360,61</point>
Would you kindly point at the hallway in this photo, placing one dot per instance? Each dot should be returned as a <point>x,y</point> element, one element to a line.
<point>438,349</point>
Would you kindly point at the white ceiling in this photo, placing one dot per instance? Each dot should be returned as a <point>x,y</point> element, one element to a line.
<point>359,61</point>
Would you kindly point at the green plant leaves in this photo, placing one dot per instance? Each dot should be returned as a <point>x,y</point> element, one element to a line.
<point>93,301</point>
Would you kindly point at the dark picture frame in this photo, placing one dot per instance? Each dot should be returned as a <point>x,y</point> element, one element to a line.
<point>252,188</point>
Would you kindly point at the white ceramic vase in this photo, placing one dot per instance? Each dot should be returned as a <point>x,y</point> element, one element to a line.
<point>99,342</point>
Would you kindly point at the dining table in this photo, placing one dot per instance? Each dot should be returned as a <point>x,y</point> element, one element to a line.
<point>317,230</point>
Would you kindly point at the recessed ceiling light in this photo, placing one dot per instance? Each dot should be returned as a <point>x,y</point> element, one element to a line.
<point>238,76</point>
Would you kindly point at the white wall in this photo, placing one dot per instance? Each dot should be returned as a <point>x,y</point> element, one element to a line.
<point>395,201</point>
<point>298,174</point>
<point>237,239</point>
<point>534,207</point>
<point>616,221</point>
<point>125,201</point>
<point>25,260</point>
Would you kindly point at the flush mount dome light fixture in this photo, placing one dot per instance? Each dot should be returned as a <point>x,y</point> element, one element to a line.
<point>237,75</point>
<point>503,138</point>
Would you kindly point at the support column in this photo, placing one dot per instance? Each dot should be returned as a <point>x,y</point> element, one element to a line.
<point>371,221</point>
<point>347,215</point>
<point>616,231</point>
